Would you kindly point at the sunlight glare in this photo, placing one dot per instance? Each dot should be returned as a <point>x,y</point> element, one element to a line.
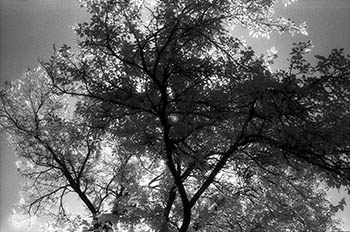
<point>21,221</point>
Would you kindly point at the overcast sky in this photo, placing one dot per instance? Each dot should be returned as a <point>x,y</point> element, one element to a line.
<point>29,28</point>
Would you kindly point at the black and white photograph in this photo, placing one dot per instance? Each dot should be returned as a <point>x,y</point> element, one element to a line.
<point>174,115</point>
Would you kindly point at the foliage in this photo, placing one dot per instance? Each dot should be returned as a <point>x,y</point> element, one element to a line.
<point>58,153</point>
<point>164,121</point>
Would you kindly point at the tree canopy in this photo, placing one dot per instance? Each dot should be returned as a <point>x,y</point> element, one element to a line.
<point>163,120</point>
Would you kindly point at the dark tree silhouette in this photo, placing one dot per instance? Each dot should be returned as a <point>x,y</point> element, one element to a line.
<point>164,121</point>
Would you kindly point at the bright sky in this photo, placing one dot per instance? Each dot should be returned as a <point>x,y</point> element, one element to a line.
<point>29,28</point>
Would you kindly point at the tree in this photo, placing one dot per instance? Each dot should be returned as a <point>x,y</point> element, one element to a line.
<point>173,124</point>
<point>56,151</point>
